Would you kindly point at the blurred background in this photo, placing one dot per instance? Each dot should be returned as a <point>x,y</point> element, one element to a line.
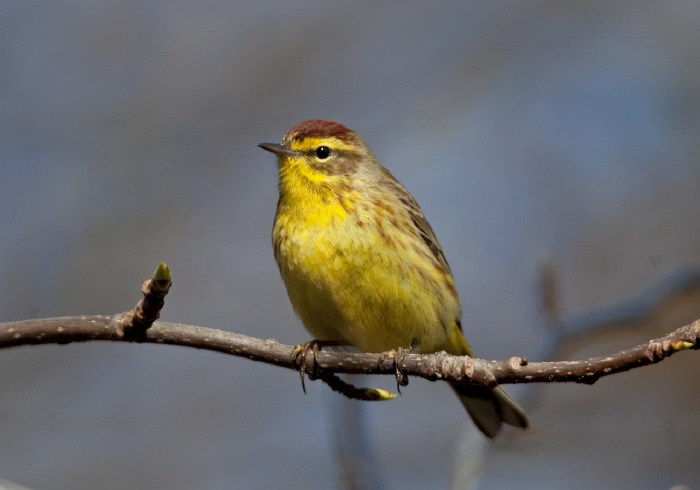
<point>552,145</point>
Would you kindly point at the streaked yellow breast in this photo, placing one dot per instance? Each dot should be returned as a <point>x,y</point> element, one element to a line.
<point>351,274</point>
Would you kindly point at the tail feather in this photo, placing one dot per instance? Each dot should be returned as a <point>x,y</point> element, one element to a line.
<point>490,408</point>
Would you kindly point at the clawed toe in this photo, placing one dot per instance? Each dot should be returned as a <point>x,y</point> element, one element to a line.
<point>300,351</point>
<point>299,354</point>
<point>398,354</point>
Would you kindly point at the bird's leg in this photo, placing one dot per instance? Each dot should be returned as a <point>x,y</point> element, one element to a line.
<point>401,378</point>
<point>300,352</point>
<point>398,354</point>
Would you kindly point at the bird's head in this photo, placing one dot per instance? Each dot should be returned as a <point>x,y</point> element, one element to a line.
<point>320,149</point>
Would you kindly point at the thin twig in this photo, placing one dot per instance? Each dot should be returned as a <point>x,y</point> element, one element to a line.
<point>437,366</point>
<point>133,324</point>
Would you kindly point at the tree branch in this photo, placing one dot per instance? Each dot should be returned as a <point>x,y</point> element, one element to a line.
<point>139,326</point>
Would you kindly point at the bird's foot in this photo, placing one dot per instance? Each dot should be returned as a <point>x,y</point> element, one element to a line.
<point>398,354</point>
<point>300,351</point>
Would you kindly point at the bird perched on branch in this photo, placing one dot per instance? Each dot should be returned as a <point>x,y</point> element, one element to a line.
<point>361,264</point>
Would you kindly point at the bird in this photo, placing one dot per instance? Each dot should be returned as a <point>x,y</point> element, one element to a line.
<point>361,264</point>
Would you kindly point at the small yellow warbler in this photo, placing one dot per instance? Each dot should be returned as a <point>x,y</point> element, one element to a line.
<point>361,263</point>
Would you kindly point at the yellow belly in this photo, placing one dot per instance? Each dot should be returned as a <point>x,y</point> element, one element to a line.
<point>356,283</point>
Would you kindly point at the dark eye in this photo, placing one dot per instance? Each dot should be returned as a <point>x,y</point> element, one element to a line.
<point>322,152</point>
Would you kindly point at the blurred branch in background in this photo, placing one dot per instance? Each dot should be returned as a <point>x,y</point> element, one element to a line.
<point>632,312</point>
<point>138,326</point>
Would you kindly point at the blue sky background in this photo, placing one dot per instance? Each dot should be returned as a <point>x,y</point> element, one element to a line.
<point>532,133</point>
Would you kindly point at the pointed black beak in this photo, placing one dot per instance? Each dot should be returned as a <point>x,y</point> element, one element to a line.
<point>278,150</point>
